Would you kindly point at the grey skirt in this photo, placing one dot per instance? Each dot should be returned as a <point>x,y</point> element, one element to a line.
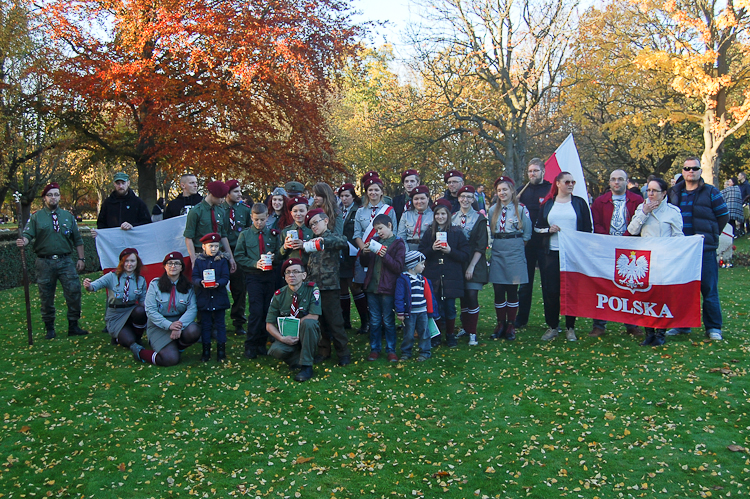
<point>115,318</point>
<point>508,264</point>
<point>158,337</point>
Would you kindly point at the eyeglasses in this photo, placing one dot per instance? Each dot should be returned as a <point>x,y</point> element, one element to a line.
<point>653,191</point>
<point>691,168</point>
<point>469,197</point>
<point>315,223</point>
<point>454,182</point>
<point>293,272</point>
<point>569,182</point>
<point>173,264</point>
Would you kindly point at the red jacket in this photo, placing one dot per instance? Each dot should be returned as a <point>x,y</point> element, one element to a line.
<point>603,207</point>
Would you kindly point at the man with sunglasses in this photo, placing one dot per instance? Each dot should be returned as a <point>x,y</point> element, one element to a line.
<point>301,300</point>
<point>612,212</point>
<point>703,212</point>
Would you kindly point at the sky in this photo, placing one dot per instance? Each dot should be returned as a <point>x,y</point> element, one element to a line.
<point>397,13</point>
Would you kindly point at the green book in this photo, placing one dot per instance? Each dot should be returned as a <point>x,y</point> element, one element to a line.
<point>288,326</point>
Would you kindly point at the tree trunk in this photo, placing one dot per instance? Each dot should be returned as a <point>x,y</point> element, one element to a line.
<point>710,162</point>
<point>147,188</point>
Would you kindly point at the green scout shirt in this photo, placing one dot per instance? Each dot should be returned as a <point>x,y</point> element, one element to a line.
<point>378,267</point>
<point>281,304</point>
<point>47,242</point>
<point>198,223</point>
<point>323,266</point>
<point>307,234</point>
<point>242,220</point>
<point>247,251</point>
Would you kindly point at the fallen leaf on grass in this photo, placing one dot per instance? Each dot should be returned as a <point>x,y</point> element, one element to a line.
<point>25,429</point>
<point>722,370</point>
<point>609,416</point>
<point>270,389</point>
<point>736,448</point>
<point>301,460</point>
<point>440,474</point>
<point>121,467</point>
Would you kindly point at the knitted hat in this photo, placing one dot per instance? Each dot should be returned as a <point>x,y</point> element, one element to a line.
<point>217,189</point>
<point>213,237</point>
<point>412,259</point>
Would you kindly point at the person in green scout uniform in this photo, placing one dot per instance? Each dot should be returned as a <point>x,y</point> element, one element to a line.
<point>323,269</point>
<point>302,300</point>
<point>205,218</point>
<point>236,219</point>
<point>260,278</point>
<point>294,235</point>
<point>56,237</point>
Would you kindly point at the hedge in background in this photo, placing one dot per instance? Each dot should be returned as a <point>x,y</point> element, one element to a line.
<point>11,274</point>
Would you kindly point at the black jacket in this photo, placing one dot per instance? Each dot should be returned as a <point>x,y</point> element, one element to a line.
<point>177,206</point>
<point>116,210</point>
<point>583,217</point>
<point>532,199</point>
<point>446,271</point>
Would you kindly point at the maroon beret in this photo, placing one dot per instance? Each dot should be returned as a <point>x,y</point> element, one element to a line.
<point>467,188</point>
<point>444,202</point>
<point>212,237</point>
<point>297,200</point>
<point>420,189</point>
<point>232,184</point>
<point>346,187</point>
<point>175,255</point>
<point>128,251</point>
<point>452,173</point>
<point>504,179</point>
<point>369,175</point>
<point>311,214</point>
<point>217,188</point>
<point>406,173</point>
<point>372,181</point>
<point>289,262</point>
<point>49,187</point>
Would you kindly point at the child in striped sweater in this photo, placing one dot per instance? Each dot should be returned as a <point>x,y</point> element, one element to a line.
<point>415,304</point>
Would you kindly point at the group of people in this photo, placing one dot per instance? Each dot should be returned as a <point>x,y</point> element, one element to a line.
<point>293,265</point>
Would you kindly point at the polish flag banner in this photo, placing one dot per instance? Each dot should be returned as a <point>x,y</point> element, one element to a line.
<point>153,242</point>
<point>651,281</point>
<point>566,159</point>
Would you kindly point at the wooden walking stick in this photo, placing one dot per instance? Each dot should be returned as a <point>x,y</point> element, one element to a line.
<point>17,197</point>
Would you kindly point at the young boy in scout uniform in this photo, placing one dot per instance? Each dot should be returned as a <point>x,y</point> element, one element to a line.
<point>302,300</point>
<point>260,280</point>
<point>324,252</point>
<point>55,235</point>
<point>205,218</point>
<point>236,219</point>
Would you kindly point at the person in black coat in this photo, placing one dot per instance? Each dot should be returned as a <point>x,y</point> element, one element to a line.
<point>211,294</point>
<point>444,267</point>
<point>122,208</point>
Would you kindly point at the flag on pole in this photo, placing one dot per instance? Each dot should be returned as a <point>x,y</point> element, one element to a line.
<point>565,159</point>
<point>153,241</point>
<point>645,281</point>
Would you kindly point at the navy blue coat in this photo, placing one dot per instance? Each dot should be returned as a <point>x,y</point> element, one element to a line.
<point>211,298</point>
<point>446,271</point>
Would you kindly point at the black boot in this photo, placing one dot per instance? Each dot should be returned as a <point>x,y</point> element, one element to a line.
<point>206,352</point>
<point>75,330</point>
<point>650,337</point>
<point>221,352</point>
<point>305,374</point>
<point>365,329</point>
<point>50,326</point>
<point>659,338</point>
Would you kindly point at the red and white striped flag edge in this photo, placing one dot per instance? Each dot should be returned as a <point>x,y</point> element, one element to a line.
<point>153,242</point>
<point>566,159</point>
<point>651,282</point>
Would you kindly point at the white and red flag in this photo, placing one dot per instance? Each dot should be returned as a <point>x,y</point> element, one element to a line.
<point>153,242</point>
<point>566,159</point>
<point>650,281</point>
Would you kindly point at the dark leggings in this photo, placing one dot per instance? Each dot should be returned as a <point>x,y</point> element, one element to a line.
<point>170,354</point>
<point>470,299</point>
<point>506,293</point>
<point>551,291</point>
<point>133,329</point>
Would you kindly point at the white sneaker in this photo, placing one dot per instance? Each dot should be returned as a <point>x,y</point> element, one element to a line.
<point>715,335</point>
<point>461,332</point>
<point>570,334</point>
<point>473,340</point>
<point>677,330</point>
<point>551,334</point>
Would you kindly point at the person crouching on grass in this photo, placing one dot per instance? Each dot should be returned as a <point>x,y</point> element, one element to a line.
<point>211,295</point>
<point>415,304</point>
<point>324,253</point>
<point>301,300</point>
<point>384,261</point>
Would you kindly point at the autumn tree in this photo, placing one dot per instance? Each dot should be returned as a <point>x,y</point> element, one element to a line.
<point>219,88</point>
<point>705,55</point>
<point>492,62</point>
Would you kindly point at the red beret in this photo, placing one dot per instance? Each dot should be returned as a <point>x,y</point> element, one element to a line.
<point>312,213</point>
<point>128,251</point>
<point>217,188</point>
<point>53,185</point>
<point>368,175</point>
<point>406,173</point>
<point>175,255</point>
<point>467,188</point>
<point>452,173</point>
<point>504,179</point>
<point>420,189</point>
<point>289,262</point>
<point>346,187</point>
<point>372,181</point>
<point>212,237</point>
<point>232,184</point>
<point>444,202</point>
<point>297,200</point>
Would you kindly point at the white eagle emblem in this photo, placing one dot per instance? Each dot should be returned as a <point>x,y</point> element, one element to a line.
<point>631,271</point>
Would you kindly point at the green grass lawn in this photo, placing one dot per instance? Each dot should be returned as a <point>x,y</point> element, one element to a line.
<point>599,417</point>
